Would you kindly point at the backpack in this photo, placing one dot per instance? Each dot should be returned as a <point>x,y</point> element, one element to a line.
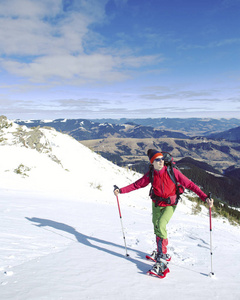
<point>168,161</point>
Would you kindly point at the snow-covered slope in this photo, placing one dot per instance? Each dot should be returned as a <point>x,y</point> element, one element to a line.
<point>61,236</point>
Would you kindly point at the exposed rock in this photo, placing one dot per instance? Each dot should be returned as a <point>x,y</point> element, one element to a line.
<point>33,138</point>
<point>4,122</point>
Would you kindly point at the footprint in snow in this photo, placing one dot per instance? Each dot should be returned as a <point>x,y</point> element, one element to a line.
<point>8,273</point>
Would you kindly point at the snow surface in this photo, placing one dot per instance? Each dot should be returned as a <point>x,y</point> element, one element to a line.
<point>61,235</point>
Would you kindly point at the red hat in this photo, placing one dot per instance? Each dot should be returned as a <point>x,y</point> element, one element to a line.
<point>153,154</point>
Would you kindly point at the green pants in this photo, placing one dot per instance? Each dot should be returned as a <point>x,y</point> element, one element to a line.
<point>160,218</point>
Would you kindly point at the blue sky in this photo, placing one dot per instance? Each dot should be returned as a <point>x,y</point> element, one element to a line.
<point>119,58</point>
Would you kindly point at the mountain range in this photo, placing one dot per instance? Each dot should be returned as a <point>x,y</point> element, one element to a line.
<point>84,129</point>
<point>189,126</point>
<point>125,142</point>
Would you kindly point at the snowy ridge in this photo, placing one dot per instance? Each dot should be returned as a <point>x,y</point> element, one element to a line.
<point>61,236</point>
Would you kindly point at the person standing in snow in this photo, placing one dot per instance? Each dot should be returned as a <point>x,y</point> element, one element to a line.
<point>164,197</point>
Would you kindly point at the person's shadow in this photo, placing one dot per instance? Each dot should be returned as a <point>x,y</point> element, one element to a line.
<point>87,240</point>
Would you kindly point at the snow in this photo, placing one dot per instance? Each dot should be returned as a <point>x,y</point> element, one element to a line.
<point>61,235</point>
<point>47,121</point>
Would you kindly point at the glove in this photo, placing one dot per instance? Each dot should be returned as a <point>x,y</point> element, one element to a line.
<point>116,190</point>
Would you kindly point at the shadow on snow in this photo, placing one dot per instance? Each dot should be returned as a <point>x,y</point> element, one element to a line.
<point>87,241</point>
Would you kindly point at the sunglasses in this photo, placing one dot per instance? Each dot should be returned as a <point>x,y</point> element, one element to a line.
<point>159,159</point>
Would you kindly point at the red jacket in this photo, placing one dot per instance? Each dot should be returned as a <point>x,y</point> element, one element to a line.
<point>163,186</point>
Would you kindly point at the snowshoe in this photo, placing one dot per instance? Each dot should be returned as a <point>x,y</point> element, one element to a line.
<point>153,256</point>
<point>159,270</point>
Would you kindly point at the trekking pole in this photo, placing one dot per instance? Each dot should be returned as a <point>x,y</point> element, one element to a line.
<point>210,222</point>
<point>115,187</point>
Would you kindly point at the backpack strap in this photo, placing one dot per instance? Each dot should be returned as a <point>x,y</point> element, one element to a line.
<point>179,187</point>
<point>173,178</point>
<point>151,175</point>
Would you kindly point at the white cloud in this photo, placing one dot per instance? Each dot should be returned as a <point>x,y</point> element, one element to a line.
<point>29,8</point>
<point>41,33</point>
<point>80,69</point>
<point>42,41</point>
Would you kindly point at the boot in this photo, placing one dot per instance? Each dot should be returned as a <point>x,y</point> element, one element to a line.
<point>154,254</point>
<point>159,269</point>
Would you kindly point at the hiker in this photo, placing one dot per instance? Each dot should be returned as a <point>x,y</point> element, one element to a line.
<point>165,191</point>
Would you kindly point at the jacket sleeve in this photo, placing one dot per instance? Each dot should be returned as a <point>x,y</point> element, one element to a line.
<point>140,183</point>
<point>187,183</point>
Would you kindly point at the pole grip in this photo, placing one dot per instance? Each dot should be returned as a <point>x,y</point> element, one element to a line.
<point>115,188</point>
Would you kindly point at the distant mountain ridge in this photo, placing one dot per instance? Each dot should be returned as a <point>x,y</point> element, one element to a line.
<point>189,126</point>
<point>232,135</point>
<point>84,129</point>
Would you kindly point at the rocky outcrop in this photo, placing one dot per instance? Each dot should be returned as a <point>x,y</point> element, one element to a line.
<point>33,138</point>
